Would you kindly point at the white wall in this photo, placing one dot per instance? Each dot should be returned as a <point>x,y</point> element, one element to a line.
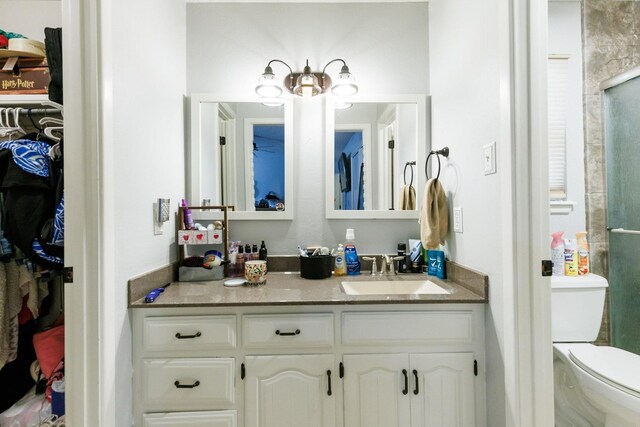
<point>143,68</point>
<point>565,37</point>
<point>386,48</point>
<point>30,17</point>
<point>464,52</point>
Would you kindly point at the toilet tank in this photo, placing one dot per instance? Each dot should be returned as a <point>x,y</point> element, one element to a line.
<point>577,304</point>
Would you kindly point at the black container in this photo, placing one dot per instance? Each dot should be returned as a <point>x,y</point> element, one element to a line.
<point>316,267</point>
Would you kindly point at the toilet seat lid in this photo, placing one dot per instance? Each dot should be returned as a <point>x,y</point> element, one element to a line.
<point>617,367</point>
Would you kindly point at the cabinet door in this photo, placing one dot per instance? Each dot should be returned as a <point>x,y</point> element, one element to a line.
<point>444,393</point>
<point>374,390</point>
<point>290,391</point>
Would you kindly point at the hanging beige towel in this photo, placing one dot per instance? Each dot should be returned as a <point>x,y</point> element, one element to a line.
<point>407,198</point>
<point>434,215</point>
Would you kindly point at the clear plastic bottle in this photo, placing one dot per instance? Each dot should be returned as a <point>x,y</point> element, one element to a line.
<point>351,254</point>
<point>570,257</point>
<point>340,266</point>
<point>240,262</point>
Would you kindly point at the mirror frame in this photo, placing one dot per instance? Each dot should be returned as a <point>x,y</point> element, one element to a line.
<point>422,142</point>
<point>194,157</point>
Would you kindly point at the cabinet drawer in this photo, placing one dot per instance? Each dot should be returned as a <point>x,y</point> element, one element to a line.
<point>407,328</point>
<point>188,384</point>
<point>189,333</point>
<point>191,419</point>
<point>293,330</point>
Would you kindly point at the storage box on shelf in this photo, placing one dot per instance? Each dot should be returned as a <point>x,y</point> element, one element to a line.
<point>28,76</point>
<point>203,237</point>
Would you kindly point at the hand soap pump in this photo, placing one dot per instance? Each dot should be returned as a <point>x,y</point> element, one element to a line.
<point>340,267</point>
<point>350,254</point>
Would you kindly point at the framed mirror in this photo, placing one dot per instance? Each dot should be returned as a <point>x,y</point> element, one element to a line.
<point>241,154</point>
<point>376,150</point>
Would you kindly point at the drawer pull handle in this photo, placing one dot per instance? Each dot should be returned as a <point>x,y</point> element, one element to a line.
<point>287,334</point>
<point>178,385</point>
<point>406,382</point>
<point>329,379</point>
<point>185,337</point>
<point>415,375</point>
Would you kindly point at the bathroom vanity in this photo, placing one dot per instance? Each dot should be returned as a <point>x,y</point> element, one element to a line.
<point>301,352</point>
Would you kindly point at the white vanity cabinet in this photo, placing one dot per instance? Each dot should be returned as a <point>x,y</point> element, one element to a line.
<point>391,365</point>
<point>291,390</point>
<point>417,390</point>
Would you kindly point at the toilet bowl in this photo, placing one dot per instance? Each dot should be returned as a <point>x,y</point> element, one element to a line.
<point>595,386</point>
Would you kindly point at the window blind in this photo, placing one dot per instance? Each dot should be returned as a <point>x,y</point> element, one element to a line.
<point>557,98</point>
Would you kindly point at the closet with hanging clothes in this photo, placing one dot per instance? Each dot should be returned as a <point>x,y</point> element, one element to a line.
<point>32,230</point>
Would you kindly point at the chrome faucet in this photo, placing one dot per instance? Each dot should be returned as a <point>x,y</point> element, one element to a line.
<point>390,261</point>
<point>374,265</point>
<point>388,267</point>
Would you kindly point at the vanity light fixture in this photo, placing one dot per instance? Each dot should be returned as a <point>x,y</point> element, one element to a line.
<point>306,83</point>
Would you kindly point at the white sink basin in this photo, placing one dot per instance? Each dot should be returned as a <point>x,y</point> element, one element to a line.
<point>393,287</point>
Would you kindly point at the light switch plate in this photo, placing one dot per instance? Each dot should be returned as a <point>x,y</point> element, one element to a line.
<point>457,220</point>
<point>489,158</point>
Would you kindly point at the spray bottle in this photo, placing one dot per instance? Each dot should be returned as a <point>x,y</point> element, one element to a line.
<point>583,253</point>
<point>557,253</point>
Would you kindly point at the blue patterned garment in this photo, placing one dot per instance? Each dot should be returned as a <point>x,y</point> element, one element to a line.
<point>37,248</point>
<point>58,224</point>
<point>31,156</point>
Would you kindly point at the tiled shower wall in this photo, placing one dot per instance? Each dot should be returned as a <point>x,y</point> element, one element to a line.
<point>610,47</point>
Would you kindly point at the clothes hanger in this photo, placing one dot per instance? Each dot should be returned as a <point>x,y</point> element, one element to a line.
<point>43,121</point>
<point>48,131</point>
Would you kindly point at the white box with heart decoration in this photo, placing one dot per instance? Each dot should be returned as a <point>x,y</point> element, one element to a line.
<point>194,237</point>
<point>185,237</point>
<point>215,236</point>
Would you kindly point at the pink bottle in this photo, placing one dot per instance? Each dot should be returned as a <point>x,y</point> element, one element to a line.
<point>557,253</point>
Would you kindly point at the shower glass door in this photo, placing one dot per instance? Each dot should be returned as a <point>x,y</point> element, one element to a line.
<point>622,145</point>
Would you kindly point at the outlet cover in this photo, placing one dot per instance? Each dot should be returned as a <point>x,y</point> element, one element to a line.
<point>489,158</point>
<point>457,220</point>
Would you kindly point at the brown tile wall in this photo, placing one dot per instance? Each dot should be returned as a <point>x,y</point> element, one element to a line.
<point>610,46</point>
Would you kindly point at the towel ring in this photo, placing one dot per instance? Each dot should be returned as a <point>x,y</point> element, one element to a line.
<point>405,173</point>
<point>442,152</point>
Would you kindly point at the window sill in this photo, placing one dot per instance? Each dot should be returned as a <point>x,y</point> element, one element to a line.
<point>560,207</point>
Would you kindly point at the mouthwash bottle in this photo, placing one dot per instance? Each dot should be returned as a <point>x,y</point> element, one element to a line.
<point>350,254</point>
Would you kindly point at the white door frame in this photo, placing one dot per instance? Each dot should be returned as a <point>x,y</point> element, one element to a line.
<point>83,215</point>
<point>528,342</point>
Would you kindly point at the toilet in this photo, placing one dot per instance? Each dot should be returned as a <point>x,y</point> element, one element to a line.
<point>594,386</point>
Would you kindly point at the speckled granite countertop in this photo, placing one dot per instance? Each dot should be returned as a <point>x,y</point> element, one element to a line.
<point>291,289</point>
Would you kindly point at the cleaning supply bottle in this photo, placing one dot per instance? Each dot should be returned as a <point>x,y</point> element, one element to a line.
<point>583,253</point>
<point>340,268</point>
<point>557,253</point>
<point>188,221</point>
<point>570,257</point>
<point>350,254</point>
<point>240,261</point>
<point>262,254</point>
